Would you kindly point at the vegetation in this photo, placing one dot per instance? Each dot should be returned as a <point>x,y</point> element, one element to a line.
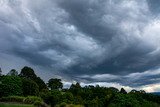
<point>10,85</point>
<point>55,84</point>
<point>28,88</point>
<point>14,105</point>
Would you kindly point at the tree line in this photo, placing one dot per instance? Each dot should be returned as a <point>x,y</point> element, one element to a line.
<point>27,83</point>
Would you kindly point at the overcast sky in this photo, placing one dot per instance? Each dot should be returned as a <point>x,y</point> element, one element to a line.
<point>106,42</point>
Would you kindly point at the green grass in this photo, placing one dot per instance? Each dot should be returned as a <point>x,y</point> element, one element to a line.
<point>14,105</point>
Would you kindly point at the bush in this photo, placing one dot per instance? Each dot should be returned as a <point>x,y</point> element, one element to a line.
<point>10,86</point>
<point>32,99</point>
<point>40,104</point>
<point>63,104</point>
<point>25,100</point>
<point>37,103</point>
<point>12,99</point>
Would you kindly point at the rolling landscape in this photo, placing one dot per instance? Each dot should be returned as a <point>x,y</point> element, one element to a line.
<point>28,90</point>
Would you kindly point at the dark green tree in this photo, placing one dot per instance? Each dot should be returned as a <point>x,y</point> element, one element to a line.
<point>13,72</point>
<point>133,91</point>
<point>52,97</point>
<point>75,89</point>
<point>29,87</point>
<point>68,97</point>
<point>27,72</point>
<point>75,86</point>
<point>0,72</point>
<point>55,84</point>
<point>123,91</point>
<point>10,85</point>
<point>113,89</point>
<point>40,83</point>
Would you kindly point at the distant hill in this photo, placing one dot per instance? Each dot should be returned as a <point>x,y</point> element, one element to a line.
<point>156,93</point>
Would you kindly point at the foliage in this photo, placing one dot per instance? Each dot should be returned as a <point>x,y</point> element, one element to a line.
<point>14,105</point>
<point>55,84</point>
<point>63,104</point>
<point>32,99</point>
<point>29,87</point>
<point>40,83</point>
<point>12,99</point>
<point>75,89</point>
<point>29,73</point>
<point>0,72</point>
<point>123,91</point>
<point>10,85</point>
<point>24,100</point>
<point>13,72</point>
<point>67,97</point>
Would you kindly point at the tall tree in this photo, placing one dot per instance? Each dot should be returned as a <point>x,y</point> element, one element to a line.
<point>75,86</point>
<point>29,87</point>
<point>27,72</point>
<point>123,91</point>
<point>75,89</point>
<point>13,72</point>
<point>55,84</point>
<point>0,72</point>
<point>40,83</point>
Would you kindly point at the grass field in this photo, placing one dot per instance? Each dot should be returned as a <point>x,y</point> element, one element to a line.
<point>14,105</point>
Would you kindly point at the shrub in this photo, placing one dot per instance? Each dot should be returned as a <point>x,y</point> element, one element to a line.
<point>63,104</point>
<point>40,104</point>
<point>13,99</point>
<point>25,100</point>
<point>37,103</point>
<point>32,99</point>
<point>10,86</point>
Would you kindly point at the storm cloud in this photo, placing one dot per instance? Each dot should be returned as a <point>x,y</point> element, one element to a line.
<point>93,41</point>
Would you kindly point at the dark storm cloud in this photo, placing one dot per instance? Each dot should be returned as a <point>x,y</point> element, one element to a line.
<point>154,6</point>
<point>87,16</point>
<point>91,41</point>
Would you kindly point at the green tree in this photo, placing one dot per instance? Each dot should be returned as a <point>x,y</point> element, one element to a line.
<point>75,89</point>
<point>68,97</point>
<point>113,89</point>
<point>0,72</point>
<point>123,91</point>
<point>55,84</point>
<point>75,86</point>
<point>52,97</point>
<point>124,100</point>
<point>27,72</point>
<point>40,83</point>
<point>13,72</point>
<point>29,87</point>
<point>10,85</point>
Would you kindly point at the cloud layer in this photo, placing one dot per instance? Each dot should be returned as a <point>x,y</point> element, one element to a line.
<point>105,41</point>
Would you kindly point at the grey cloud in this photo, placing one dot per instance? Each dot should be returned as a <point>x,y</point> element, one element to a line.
<point>79,39</point>
<point>131,80</point>
<point>154,6</point>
